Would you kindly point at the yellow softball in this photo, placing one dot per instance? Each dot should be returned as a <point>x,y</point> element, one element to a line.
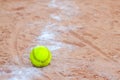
<point>40,56</point>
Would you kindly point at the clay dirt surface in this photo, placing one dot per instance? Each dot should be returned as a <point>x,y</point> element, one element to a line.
<point>82,35</point>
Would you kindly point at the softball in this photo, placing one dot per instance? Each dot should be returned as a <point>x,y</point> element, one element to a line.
<point>40,56</point>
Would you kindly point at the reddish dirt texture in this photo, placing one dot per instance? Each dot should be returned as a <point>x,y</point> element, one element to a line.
<point>82,35</point>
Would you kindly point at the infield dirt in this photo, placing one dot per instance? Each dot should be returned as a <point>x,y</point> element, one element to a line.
<point>83,36</point>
